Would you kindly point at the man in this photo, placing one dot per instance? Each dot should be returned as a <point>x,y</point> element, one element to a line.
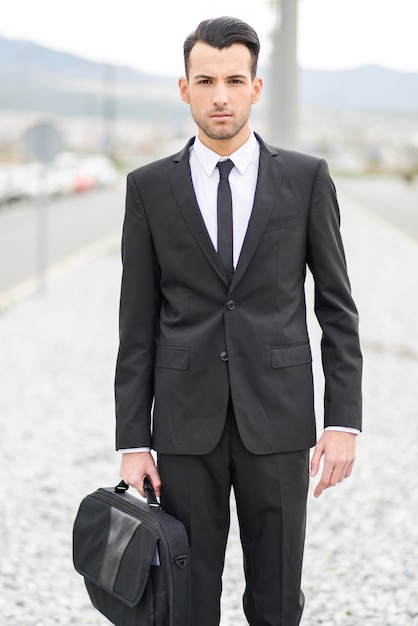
<point>214,339</point>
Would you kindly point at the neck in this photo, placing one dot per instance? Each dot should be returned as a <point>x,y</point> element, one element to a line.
<point>225,147</point>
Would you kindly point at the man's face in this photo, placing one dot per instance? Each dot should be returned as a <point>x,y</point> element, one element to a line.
<point>220,92</point>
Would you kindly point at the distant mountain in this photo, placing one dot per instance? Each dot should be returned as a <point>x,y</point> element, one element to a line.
<point>35,78</point>
<point>19,55</point>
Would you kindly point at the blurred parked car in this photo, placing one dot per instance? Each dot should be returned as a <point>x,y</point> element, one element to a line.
<point>12,184</point>
<point>69,173</point>
<point>100,169</point>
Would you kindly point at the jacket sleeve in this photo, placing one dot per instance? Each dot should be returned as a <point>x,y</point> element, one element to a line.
<point>138,315</point>
<point>334,307</point>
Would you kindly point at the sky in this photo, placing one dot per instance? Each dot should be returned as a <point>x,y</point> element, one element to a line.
<point>332,34</point>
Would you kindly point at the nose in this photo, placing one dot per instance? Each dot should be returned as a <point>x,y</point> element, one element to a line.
<point>220,96</point>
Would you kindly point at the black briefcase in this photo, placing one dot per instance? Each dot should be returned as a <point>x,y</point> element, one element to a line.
<point>134,557</point>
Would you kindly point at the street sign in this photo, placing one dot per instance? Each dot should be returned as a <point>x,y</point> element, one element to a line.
<point>42,142</point>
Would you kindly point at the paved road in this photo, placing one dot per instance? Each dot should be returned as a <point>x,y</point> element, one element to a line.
<point>73,223</point>
<point>391,198</point>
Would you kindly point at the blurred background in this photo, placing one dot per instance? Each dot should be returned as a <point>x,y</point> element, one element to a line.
<point>341,81</point>
<point>106,77</point>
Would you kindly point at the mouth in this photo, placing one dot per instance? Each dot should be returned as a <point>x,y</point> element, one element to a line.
<point>220,115</point>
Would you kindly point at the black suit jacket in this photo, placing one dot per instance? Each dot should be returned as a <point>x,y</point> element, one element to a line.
<point>188,339</point>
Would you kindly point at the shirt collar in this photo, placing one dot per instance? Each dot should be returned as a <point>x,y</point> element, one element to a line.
<point>241,158</point>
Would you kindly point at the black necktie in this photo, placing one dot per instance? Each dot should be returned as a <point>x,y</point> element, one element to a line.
<point>225,217</point>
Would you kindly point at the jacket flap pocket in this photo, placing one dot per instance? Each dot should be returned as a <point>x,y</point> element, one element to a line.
<point>288,356</point>
<point>113,549</point>
<point>174,358</point>
<point>284,222</point>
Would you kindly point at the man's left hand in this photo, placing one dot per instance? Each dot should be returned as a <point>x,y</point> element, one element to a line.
<point>339,452</point>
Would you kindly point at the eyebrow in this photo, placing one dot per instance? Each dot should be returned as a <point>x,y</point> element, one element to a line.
<point>206,77</point>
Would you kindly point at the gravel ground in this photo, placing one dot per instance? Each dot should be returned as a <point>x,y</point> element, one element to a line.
<point>57,356</point>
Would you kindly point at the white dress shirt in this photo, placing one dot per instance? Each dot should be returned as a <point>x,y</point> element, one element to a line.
<point>243,182</point>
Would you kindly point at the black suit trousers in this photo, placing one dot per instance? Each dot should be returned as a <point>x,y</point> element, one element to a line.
<point>270,493</point>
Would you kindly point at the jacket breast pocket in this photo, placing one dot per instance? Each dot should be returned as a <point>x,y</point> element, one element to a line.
<point>290,356</point>
<point>172,358</point>
<point>284,222</point>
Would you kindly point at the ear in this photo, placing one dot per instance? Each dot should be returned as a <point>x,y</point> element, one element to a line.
<point>257,89</point>
<point>184,90</point>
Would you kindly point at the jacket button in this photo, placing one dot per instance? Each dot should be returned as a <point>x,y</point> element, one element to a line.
<point>230,305</point>
<point>224,356</point>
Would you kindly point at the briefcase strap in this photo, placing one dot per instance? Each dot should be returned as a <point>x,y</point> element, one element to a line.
<point>152,500</point>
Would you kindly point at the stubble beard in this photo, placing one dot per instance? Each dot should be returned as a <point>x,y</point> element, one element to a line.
<point>220,132</point>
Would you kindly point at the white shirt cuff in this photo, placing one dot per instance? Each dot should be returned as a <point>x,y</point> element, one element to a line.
<point>343,429</point>
<point>128,450</point>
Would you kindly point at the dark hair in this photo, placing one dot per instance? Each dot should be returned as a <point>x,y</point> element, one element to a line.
<point>220,33</point>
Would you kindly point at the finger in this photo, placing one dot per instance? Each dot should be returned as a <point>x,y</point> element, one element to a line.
<point>346,471</point>
<point>315,461</point>
<point>140,489</point>
<point>138,484</point>
<point>332,475</point>
<point>350,470</point>
<point>319,489</point>
<point>135,482</point>
<point>155,479</point>
<point>324,483</point>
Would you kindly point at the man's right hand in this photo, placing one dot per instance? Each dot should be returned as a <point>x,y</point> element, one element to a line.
<point>135,466</point>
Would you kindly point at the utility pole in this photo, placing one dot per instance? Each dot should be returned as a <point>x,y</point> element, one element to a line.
<point>107,109</point>
<point>283,104</point>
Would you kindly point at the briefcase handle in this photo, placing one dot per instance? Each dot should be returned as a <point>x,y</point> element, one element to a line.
<point>152,500</point>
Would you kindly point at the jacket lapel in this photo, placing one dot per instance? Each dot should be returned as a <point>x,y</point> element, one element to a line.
<point>270,174</point>
<point>182,186</point>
